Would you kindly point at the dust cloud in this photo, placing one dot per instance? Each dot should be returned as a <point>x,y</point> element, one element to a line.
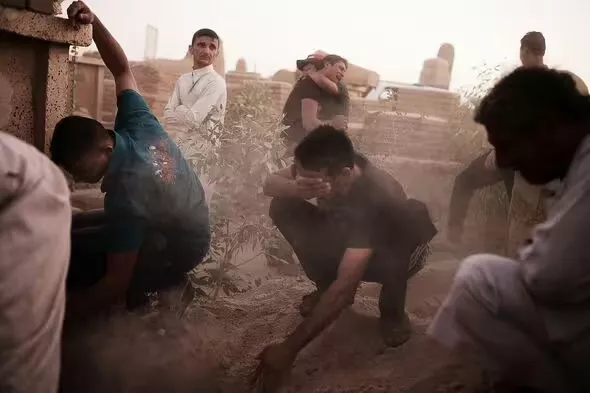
<point>213,348</point>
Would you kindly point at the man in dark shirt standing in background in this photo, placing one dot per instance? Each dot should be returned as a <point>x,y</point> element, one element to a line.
<point>317,99</point>
<point>155,223</point>
<point>482,171</point>
<point>311,67</point>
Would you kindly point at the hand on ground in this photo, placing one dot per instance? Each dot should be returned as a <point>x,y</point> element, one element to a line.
<point>275,363</point>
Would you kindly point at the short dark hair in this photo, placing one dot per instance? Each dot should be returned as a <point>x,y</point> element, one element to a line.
<point>333,59</point>
<point>74,137</point>
<point>535,42</point>
<point>205,33</point>
<point>524,99</point>
<point>325,148</point>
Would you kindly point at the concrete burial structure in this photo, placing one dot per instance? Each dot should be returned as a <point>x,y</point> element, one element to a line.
<point>35,67</point>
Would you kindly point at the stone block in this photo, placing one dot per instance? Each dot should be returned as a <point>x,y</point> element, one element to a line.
<point>42,6</point>
<point>14,3</point>
<point>43,27</point>
<point>34,62</point>
<point>17,67</point>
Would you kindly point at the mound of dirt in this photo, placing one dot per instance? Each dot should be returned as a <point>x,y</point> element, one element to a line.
<point>213,349</point>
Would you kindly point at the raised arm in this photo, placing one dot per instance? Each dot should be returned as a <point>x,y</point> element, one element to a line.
<point>110,51</point>
<point>325,83</point>
<point>133,113</point>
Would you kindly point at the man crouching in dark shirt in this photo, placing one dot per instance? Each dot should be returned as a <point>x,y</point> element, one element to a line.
<point>363,228</point>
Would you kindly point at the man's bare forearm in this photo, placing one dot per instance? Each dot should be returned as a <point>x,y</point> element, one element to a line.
<point>311,124</point>
<point>277,186</point>
<point>325,83</point>
<point>111,52</point>
<point>330,306</point>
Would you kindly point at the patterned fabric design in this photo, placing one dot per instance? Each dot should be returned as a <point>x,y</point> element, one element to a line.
<point>418,259</point>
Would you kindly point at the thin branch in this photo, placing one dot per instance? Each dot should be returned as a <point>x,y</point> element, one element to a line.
<point>249,259</point>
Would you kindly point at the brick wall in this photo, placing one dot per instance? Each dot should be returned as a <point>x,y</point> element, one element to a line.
<point>417,125</point>
<point>149,82</point>
<point>405,136</point>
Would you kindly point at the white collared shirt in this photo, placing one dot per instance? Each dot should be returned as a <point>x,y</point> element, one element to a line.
<point>198,95</point>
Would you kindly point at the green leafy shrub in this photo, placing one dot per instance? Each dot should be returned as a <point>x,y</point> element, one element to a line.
<point>233,160</point>
<point>468,142</point>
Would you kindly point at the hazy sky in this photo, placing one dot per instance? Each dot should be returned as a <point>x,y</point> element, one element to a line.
<point>391,37</point>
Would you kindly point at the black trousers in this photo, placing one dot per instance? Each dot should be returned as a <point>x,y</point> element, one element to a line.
<point>471,179</point>
<point>319,247</point>
<point>160,265</point>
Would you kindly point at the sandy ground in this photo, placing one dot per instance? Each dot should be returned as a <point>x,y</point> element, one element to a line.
<point>212,349</point>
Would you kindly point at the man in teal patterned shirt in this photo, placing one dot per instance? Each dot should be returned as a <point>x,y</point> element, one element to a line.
<point>155,223</point>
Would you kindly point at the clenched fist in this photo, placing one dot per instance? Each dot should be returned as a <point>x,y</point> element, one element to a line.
<point>80,14</point>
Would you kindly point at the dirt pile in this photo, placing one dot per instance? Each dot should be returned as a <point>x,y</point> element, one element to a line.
<point>214,348</point>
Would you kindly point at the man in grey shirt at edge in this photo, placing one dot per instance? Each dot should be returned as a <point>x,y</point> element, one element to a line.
<point>35,219</point>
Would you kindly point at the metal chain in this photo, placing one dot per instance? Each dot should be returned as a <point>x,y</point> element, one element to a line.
<point>73,69</point>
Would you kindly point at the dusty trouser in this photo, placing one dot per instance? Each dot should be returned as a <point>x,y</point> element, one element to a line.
<point>161,265</point>
<point>477,175</point>
<point>490,311</point>
<point>320,245</point>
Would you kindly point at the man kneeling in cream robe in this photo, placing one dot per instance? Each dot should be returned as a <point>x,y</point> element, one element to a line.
<point>529,317</point>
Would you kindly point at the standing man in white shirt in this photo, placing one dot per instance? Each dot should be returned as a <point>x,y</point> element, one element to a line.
<point>199,97</point>
<point>201,94</point>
